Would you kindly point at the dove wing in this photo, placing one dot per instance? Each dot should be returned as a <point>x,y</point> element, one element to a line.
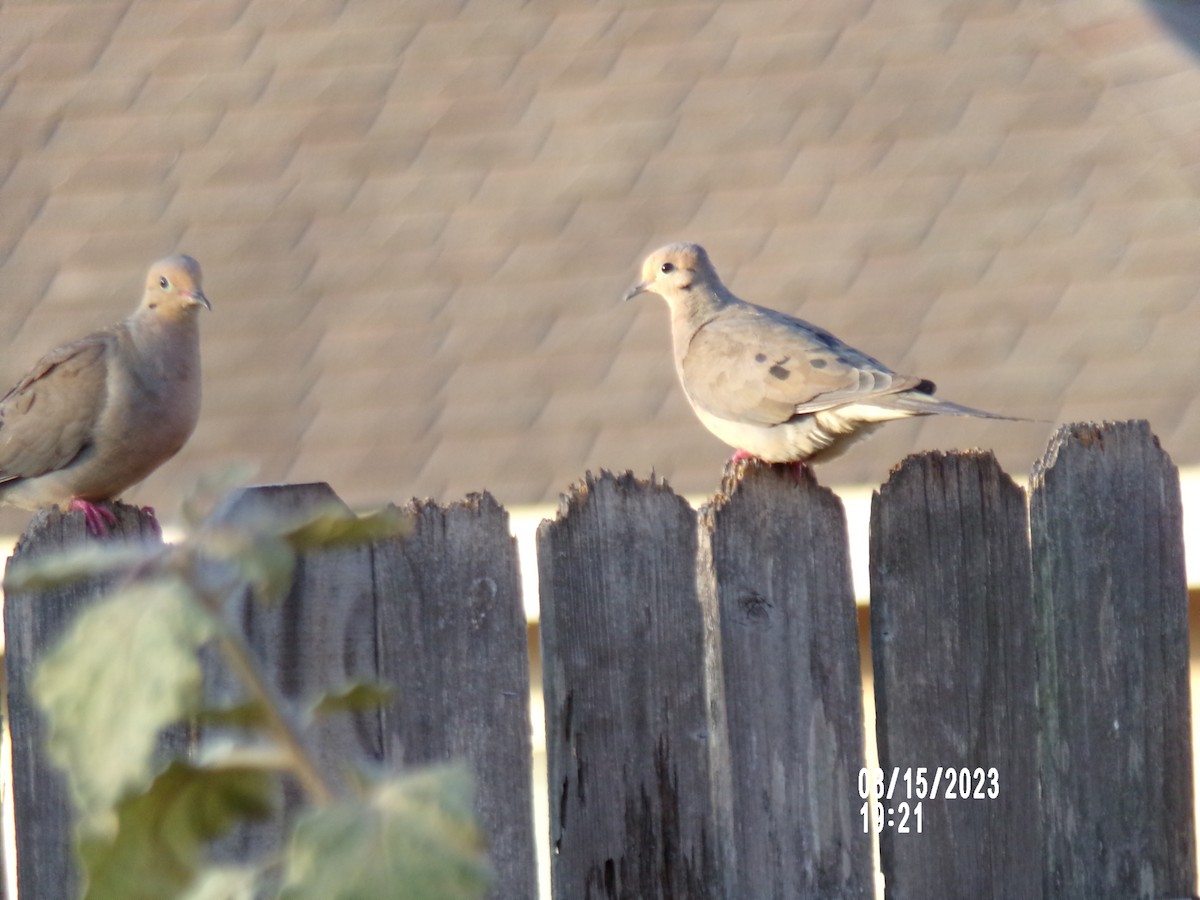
<point>753,365</point>
<point>49,417</point>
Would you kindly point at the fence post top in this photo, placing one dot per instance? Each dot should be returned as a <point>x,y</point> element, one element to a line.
<point>479,503</point>
<point>580,494</point>
<point>940,466</point>
<point>51,529</point>
<point>1092,440</point>
<point>252,501</point>
<point>752,477</point>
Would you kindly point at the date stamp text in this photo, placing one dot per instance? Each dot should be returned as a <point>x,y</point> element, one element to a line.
<point>894,799</point>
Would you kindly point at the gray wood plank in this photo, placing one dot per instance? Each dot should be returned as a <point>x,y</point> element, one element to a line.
<point>623,663</point>
<point>955,678</point>
<point>453,641</point>
<point>1111,597</point>
<point>318,638</point>
<point>33,622</point>
<point>775,576</point>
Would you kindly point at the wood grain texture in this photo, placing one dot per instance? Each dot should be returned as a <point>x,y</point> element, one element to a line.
<point>452,639</point>
<point>775,576</point>
<point>955,677</point>
<point>623,660</point>
<point>33,623</point>
<point>1111,598</point>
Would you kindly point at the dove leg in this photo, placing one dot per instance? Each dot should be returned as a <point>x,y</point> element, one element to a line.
<point>99,518</point>
<point>739,455</point>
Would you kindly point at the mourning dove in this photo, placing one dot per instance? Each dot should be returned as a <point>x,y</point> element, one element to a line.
<point>770,385</point>
<point>98,415</point>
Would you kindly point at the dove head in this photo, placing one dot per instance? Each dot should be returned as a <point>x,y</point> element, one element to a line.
<point>173,287</point>
<point>682,275</point>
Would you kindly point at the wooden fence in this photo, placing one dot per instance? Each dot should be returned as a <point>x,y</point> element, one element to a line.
<point>704,722</point>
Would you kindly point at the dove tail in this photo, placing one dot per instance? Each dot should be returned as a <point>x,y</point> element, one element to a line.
<point>920,403</point>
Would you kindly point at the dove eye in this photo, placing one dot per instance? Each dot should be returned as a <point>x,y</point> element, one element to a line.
<point>668,267</point>
<point>163,283</point>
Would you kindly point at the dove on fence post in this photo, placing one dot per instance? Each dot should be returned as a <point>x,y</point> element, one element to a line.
<point>98,415</point>
<point>770,385</point>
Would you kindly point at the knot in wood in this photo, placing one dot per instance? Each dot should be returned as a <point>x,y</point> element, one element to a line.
<point>756,609</point>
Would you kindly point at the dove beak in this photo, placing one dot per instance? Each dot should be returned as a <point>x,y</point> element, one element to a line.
<point>198,298</point>
<point>640,288</point>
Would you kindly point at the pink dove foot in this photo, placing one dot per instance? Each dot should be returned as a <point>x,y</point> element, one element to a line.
<point>98,518</point>
<point>799,467</point>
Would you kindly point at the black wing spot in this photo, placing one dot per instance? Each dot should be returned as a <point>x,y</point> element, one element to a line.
<point>778,368</point>
<point>819,363</point>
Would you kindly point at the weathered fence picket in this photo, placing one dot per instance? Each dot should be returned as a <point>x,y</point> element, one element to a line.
<point>1111,609</point>
<point>439,616</point>
<point>453,641</point>
<point>33,622</point>
<point>319,637</point>
<point>955,680</point>
<point>775,576</point>
<point>626,719</point>
<point>701,676</point>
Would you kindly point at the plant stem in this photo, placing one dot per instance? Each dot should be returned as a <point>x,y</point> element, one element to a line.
<point>278,721</point>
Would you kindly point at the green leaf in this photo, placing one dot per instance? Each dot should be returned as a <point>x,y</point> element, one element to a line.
<point>262,552</point>
<point>126,668</point>
<point>353,698</point>
<point>79,563</point>
<point>333,526</point>
<point>414,839</point>
<point>262,561</point>
<point>161,834</point>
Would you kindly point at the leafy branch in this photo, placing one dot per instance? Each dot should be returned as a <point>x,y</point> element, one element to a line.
<point>129,667</point>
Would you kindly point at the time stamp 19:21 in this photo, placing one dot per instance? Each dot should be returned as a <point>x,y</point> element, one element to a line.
<point>894,799</point>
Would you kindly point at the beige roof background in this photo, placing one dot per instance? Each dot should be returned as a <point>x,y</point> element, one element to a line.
<point>416,219</point>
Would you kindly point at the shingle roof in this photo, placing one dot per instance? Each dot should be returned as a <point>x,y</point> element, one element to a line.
<point>416,219</point>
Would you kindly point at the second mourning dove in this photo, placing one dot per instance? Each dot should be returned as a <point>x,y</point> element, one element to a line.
<point>770,385</point>
<point>98,415</point>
